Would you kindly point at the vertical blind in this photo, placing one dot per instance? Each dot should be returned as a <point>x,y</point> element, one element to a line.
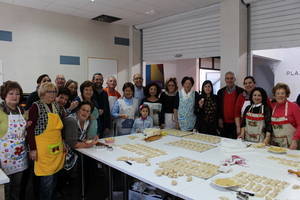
<point>192,34</point>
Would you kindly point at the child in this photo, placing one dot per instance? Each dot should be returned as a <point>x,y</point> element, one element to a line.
<point>144,121</point>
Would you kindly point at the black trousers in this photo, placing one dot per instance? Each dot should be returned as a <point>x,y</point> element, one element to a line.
<point>229,130</point>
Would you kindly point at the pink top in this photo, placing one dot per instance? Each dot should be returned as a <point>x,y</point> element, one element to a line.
<point>293,115</point>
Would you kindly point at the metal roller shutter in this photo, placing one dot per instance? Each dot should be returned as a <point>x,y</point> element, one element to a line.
<point>189,35</point>
<point>275,24</point>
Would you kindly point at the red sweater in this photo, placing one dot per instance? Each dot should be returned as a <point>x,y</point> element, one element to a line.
<point>293,115</point>
<point>229,104</point>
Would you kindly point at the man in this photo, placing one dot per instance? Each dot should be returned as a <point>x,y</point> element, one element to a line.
<point>62,99</point>
<point>138,87</point>
<point>298,100</point>
<point>227,97</point>
<point>111,91</point>
<point>60,81</point>
<point>101,97</point>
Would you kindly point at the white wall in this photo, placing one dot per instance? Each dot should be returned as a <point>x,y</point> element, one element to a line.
<point>40,37</point>
<point>288,70</point>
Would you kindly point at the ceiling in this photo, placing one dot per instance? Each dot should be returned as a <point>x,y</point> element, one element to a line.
<point>132,12</point>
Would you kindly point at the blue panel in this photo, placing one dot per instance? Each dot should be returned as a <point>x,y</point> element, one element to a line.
<point>122,41</point>
<point>70,60</point>
<point>6,36</point>
<point>148,74</point>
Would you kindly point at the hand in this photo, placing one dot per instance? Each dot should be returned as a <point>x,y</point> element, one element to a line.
<point>201,102</point>
<point>242,136</point>
<point>73,105</point>
<point>101,111</point>
<point>123,116</point>
<point>221,123</point>
<point>33,155</point>
<point>294,145</point>
<point>267,140</point>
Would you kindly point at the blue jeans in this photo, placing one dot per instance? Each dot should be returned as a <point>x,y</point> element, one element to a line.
<point>47,187</point>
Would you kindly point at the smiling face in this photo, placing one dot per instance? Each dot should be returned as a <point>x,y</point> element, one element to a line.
<point>128,93</point>
<point>45,79</point>
<point>98,80</point>
<point>171,87</point>
<point>280,95</point>
<point>153,90</point>
<point>88,93</point>
<point>229,80</point>
<point>49,96</point>
<point>256,97</point>
<point>13,97</point>
<point>187,86</point>
<point>73,88</point>
<point>60,81</point>
<point>111,83</point>
<point>249,85</point>
<point>84,112</point>
<point>62,100</point>
<point>144,112</point>
<point>207,88</point>
<point>138,80</point>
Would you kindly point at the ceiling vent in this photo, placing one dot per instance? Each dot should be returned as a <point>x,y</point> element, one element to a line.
<point>106,18</point>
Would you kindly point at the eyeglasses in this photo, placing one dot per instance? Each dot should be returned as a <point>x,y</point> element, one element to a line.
<point>138,78</point>
<point>51,91</point>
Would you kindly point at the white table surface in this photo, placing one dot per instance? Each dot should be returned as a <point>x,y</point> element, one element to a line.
<point>3,178</point>
<point>257,161</point>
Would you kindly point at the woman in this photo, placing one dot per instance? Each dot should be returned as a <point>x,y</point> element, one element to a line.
<point>285,118</point>
<point>243,101</point>
<point>206,110</point>
<point>87,92</point>
<point>185,104</point>
<point>168,99</point>
<point>75,132</point>
<point>125,110</point>
<point>34,95</point>
<point>151,99</point>
<point>256,122</point>
<point>45,139</point>
<point>13,154</point>
<point>72,86</point>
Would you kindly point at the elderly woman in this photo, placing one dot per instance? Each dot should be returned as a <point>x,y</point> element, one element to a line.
<point>256,122</point>
<point>152,92</point>
<point>125,110</point>
<point>185,104</point>
<point>168,99</point>
<point>87,92</point>
<point>206,110</point>
<point>75,133</point>
<point>13,155</point>
<point>285,118</point>
<point>45,139</point>
<point>34,95</point>
<point>243,100</point>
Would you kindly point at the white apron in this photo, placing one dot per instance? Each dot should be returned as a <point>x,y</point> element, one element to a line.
<point>155,109</point>
<point>13,152</point>
<point>255,123</point>
<point>246,103</point>
<point>283,130</point>
<point>111,101</point>
<point>186,116</point>
<point>124,126</point>
<point>170,121</point>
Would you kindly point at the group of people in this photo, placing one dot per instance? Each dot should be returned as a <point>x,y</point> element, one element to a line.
<point>56,120</point>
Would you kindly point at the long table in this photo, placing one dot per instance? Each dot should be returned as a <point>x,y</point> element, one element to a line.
<point>257,163</point>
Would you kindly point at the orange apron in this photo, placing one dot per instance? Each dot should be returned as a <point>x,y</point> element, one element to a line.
<point>50,155</point>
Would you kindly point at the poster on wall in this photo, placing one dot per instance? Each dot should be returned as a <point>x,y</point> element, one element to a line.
<point>155,73</point>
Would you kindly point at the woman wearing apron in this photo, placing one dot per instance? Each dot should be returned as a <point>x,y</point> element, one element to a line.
<point>207,110</point>
<point>13,155</point>
<point>125,110</point>
<point>186,105</point>
<point>285,118</point>
<point>168,99</point>
<point>256,123</point>
<point>243,101</point>
<point>45,140</point>
<point>152,92</point>
<point>75,133</point>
